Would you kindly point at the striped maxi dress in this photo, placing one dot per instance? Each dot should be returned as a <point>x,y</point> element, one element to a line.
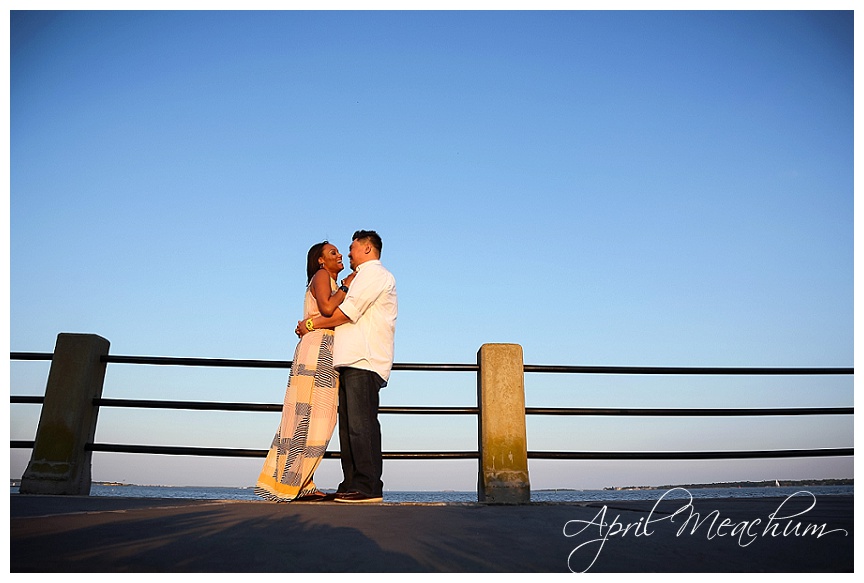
<point>308,416</point>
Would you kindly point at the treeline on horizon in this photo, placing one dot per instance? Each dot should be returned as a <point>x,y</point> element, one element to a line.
<point>761,484</point>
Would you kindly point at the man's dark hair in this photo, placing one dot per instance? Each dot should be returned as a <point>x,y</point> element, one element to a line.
<point>370,236</point>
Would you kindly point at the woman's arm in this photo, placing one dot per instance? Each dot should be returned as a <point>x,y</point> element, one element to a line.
<point>322,322</point>
<point>327,303</point>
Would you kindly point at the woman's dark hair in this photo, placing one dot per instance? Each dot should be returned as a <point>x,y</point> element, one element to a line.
<point>312,257</point>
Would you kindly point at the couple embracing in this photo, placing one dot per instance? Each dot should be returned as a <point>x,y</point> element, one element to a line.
<point>344,357</point>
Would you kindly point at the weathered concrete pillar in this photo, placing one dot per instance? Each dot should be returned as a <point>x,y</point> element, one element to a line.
<point>59,464</point>
<point>503,443</point>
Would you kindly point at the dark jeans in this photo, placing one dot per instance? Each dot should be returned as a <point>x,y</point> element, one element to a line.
<point>359,431</point>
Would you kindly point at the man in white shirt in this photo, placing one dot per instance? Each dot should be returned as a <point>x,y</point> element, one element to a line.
<point>365,325</point>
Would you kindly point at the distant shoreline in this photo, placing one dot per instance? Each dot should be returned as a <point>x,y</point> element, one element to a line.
<point>760,484</point>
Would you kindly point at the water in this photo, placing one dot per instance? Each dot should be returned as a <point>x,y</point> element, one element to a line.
<point>215,493</point>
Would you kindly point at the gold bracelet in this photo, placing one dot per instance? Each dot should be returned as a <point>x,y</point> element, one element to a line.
<point>309,325</point>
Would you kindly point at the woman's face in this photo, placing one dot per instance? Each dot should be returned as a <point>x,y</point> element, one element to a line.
<point>331,259</point>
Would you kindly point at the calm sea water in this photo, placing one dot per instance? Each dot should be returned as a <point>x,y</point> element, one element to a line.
<point>198,493</point>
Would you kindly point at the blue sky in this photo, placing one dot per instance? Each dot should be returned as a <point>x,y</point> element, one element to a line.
<point>602,188</point>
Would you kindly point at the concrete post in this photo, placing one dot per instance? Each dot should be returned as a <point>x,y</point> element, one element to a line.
<point>59,464</point>
<point>503,444</point>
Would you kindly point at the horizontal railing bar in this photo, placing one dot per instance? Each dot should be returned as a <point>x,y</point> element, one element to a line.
<point>709,412</point>
<point>257,453</point>
<point>229,362</point>
<point>187,405</point>
<point>283,364</point>
<point>266,407</point>
<point>31,356</point>
<point>677,370</point>
<point>273,407</point>
<point>195,361</point>
<point>416,366</point>
<point>546,455</point>
<point>575,411</point>
<point>429,410</point>
<point>26,400</point>
<point>689,455</point>
<point>412,455</point>
<point>638,370</point>
<point>175,450</point>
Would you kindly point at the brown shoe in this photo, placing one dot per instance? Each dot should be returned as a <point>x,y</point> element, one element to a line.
<point>358,498</point>
<point>313,497</point>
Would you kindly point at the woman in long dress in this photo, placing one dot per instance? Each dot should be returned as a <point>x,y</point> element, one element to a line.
<point>309,408</point>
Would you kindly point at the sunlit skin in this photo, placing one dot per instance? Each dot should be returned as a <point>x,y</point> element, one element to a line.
<point>330,263</point>
<point>331,260</point>
<point>356,253</point>
<point>359,253</point>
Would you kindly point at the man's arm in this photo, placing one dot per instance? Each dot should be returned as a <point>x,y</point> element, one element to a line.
<point>364,290</point>
<point>337,319</point>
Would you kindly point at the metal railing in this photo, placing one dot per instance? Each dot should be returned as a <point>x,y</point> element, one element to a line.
<point>591,455</point>
<point>240,407</point>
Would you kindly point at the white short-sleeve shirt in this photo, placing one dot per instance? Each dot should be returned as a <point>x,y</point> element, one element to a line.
<point>367,341</point>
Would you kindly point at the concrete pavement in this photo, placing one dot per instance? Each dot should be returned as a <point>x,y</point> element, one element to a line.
<point>101,534</point>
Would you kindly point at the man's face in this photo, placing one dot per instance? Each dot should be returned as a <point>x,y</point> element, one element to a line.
<point>356,254</point>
